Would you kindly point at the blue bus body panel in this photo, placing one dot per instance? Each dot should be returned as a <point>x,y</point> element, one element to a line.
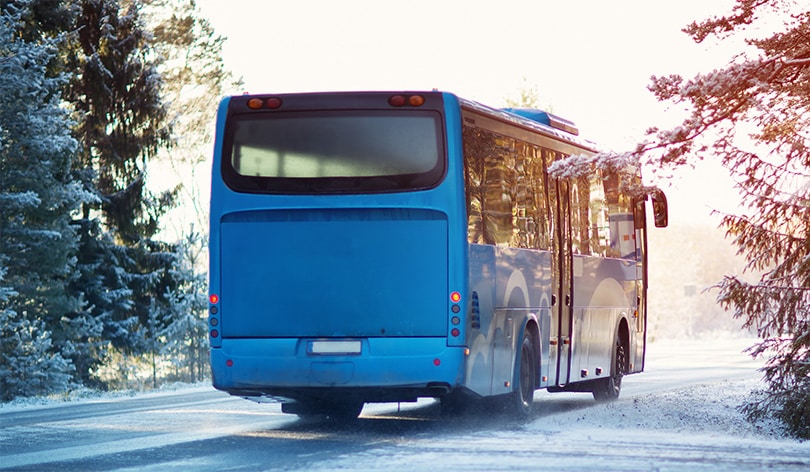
<point>514,286</point>
<point>511,286</point>
<point>334,273</point>
<point>383,363</point>
<point>373,269</point>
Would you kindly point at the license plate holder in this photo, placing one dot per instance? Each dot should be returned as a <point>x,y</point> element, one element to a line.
<point>343,347</point>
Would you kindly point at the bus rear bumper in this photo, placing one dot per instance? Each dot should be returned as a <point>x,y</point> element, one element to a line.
<point>384,369</point>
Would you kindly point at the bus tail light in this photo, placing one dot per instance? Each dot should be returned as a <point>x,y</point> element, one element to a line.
<point>213,318</point>
<point>455,319</point>
<point>402,100</point>
<point>258,103</point>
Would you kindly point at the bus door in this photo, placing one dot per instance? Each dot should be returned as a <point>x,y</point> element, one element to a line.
<point>638,351</point>
<point>562,284</point>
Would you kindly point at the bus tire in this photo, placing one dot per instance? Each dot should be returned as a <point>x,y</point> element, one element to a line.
<point>522,397</point>
<point>608,389</point>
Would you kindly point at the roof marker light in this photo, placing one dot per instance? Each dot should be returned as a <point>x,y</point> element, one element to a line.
<point>396,100</point>
<point>272,103</point>
<point>416,100</point>
<point>255,103</point>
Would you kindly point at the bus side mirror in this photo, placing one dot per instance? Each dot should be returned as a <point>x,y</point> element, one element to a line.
<point>660,210</point>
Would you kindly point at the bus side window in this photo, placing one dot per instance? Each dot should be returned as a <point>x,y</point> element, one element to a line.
<point>506,191</point>
<point>474,159</point>
<point>600,226</point>
<point>499,188</point>
<point>531,198</point>
<point>580,216</point>
<point>621,219</point>
<point>489,187</point>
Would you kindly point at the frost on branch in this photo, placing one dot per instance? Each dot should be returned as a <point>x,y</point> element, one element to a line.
<point>580,165</point>
<point>605,163</point>
<point>752,116</point>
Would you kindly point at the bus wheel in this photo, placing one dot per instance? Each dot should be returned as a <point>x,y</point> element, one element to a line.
<point>609,389</point>
<point>522,397</point>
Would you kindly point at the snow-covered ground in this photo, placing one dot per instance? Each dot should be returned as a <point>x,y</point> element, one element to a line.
<point>680,414</point>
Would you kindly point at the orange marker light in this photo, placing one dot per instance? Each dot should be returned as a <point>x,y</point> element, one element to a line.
<point>416,100</point>
<point>255,103</point>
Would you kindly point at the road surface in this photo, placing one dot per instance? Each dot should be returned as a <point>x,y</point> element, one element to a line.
<point>678,415</point>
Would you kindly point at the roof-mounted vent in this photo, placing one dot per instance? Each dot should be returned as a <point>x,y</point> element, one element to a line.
<point>548,119</point>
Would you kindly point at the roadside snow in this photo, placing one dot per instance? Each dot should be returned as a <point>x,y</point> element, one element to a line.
<point>86,395</point>
<point>682,413</point>
<point>710,409</point>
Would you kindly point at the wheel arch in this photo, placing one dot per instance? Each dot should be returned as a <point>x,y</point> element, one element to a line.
<point>532,326</point>
<point>623,333</point>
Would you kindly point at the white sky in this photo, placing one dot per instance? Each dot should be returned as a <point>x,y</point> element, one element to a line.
<point>589,60</point>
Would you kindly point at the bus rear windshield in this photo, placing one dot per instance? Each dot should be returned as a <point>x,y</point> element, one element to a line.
<point>353,151</point>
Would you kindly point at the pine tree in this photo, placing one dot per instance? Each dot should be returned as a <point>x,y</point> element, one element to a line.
<point>121,117</point>
<point>184,319</point>
<point>29,363</point>
<point>37,196</point>
<point>40,20</point>
<point>121,125</point>
<point>194,81</point>
<point>753,115</point>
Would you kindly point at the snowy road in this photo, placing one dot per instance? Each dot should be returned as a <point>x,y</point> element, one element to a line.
<point>678,415</point>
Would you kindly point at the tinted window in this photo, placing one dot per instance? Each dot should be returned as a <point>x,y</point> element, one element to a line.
<point>506,186</point>
<point>335,151</point>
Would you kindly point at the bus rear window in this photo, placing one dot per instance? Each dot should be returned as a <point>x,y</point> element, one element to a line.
<point>334,151</point>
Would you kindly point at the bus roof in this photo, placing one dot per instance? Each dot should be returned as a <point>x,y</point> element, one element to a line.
<point>534,120</point>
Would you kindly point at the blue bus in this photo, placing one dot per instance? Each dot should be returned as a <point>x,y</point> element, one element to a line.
<point>383,247</point>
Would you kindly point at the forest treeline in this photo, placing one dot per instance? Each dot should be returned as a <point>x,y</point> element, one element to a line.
<point>95,93</point>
